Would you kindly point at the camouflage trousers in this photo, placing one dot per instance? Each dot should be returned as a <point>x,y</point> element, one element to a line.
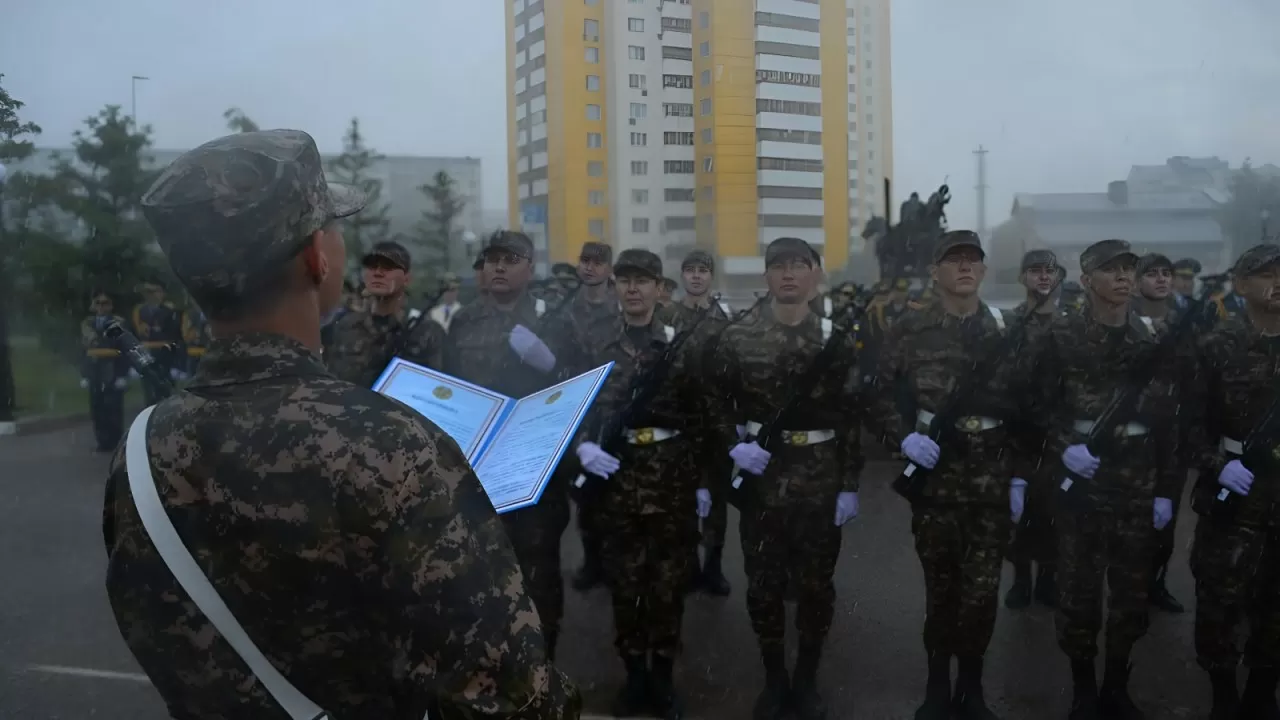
<point>647,564</point>
<point>961,549</point>
<point>797,542</point>
<point>715,525</point>
<point>1166,539</point>
<point>535,534</point>
<point>1112,542</point>
<point>1035,539</point>
<point>1237,571</point>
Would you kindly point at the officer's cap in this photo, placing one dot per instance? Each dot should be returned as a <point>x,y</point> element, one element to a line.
<point>392,252</point>
<point>637,261</point>
<point>592,250</point>
<point>1257,259</point>
<point>510,241</point>
<point>699,257</point>
<point>1187,267</point>
<point>1153,261</point>
<point>957,239</point>
<point>789,247</point>
<point>1103,252</point>
<point>228,213</point>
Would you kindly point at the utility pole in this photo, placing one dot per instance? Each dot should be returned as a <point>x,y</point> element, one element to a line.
<point>133,107</point>
<point>981,188</point>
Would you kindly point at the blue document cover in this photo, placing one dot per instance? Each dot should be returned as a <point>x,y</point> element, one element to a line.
<point>513,445</point>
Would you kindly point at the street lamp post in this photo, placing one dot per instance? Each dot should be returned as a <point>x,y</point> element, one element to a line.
<point>7,391</point>
<point>133,107</point>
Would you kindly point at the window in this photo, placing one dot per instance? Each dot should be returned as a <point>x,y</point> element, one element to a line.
<point>639,110</point>
<point>595,197</point>
<point>635,24</point>
<point>594,140</point>
<point>677,24</point>
<point>591,2</point>
<point>764,47</point>
<point>639,225</point>
<point>706,106</point>
<point>593,112</point>
<point>853,183</point>
<point>787,192</point>
<point>789,164</point>
<point>637,81</point>
<point>677,109</point>
<point>538,118</point>
<point>676,53</point>
<point>593,83</point>
<point>704,48</point>
<point>867,101</point>
<point>871,136</point>
<point>704,20</point>
<point>677,222</point>
<point>595,168</point>
<point>640,197</point>
<point>789,78</point>
<point>677,167</point>
<point>708,164</point>
<point>706,78</point>
<point>678,194</point>
<point>639,167</point>
<point>790,107</point>
<point>868,64</point>
<point>707,192</point>
<point>591,30</point>
<point>595,227</point>
<point>804,137</point>
<point>871,154</point>
<point>635,52</point>
<point>677,81</point>
<point>677,138</point>
<point>592,56</point>
<point>869,118</point>
<point>852,89</point>
<point>853,163</point>
<point>706,135</point>
<point>790,22</point>
<point>639,139</point>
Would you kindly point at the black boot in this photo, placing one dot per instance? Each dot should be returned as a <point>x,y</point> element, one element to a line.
<point>1047,585</point>
<point>1084,688</point>
<point>713,580</point>
<point>1019,596</point>
<point>1160,597</point>
<point>1114,702</point>
<point>632,699</point>
<point>937,690</point>
<point>1226,695</point>
<point>1259,700</point>
<point>591,574</point>
<point>969,702</point>
<point>772,702</point>
<point>805,700</point>
<point>662,691</point>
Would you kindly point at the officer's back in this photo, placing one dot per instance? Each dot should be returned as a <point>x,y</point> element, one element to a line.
<point>346,533</point>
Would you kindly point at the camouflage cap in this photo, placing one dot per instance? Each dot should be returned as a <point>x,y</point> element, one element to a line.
<point>635,260</point>
<point>564,269</point>
<point>670,284</point>
<point>1103,252</point>
<point>957,239</point>
<point>478,263</point>
<point>1257,259</point>
<point>592,250</point>
<point>1153,261</point>
<point>1038,258</point>
<point>228,213</point>
<point>512,241</point>
<point>789,247</point>
<point>393,252</point>
<point>698,257</point>
<point>450,281</point>
<point>1071,287</point>
<point>1187,267</point>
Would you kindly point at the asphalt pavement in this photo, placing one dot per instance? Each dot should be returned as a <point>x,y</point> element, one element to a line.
<point>61,657</point>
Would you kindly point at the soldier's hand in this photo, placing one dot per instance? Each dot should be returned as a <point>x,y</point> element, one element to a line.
<point>596,461</point>
<point>1236,478</point>
<point>1017,499</point>
<point>704,502</point>
<point>84,384</point>
<point>1161,512</point>
<point>1080,461</point>
<point>531,350</point>
<point>846,507</point>
<point>121,383</point>
<point>750,457</point>
<point>921,449</point>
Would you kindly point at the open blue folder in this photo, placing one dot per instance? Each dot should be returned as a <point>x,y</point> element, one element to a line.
<point>513,445</point>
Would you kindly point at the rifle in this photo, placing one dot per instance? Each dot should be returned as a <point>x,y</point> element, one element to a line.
<point>396,346</point>
<point>1258,451</point>
<point>802,388</point>
<point>644,388</point>
<point>911,483</point>
<point>142,362</point>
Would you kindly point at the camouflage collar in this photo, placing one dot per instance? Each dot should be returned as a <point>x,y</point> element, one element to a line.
<point>524,302</point>
<point>656,332</point>
<point>256,356</point>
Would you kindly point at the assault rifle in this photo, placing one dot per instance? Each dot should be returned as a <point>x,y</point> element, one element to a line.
<point>1259,453</point>
<point>911,483</point>
<point>142,362</point>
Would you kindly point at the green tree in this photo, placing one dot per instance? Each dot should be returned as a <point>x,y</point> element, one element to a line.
<point>354,167</point>
<point>436,228</point>
<point>238,122</point>
<point>1241,217</point>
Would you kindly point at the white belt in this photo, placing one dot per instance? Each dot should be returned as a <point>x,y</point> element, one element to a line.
<point>1232,446</point>
<point>1133,429</point>
<point>972,423</point>
<point>796,437</point>
<point>648,436</point>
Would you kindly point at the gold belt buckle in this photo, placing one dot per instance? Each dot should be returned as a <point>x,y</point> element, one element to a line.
<point>799,438</point>
<point>644,436</point>
<point>972,424</point>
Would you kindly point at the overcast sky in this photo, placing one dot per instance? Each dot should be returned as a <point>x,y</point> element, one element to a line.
<point>1066,96</point>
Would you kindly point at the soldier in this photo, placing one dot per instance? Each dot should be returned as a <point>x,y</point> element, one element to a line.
<point>447,306</point>
<point>976,490</point>
<point>1071,298</point>
<point>1034,540</point>
<point>157,325</point>
<point>482,285</point>
<point>105,373</point>
<point>353,541</point>
<point>646,509</point>
<point>1184,282</point>
<point>509,343</point>
<point>1233,558</point>
<point>1080,363</point>
<point>668,291</point>
<point>802,493</point>
<point>364,342</point>
<point>195,336</point>
<point>1228,302</point>
<point>565,277</point>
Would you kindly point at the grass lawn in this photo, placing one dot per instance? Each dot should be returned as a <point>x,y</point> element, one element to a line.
<point>48,385</point>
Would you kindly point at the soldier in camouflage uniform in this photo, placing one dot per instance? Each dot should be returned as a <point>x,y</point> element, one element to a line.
<point>1072,297</point>
<point>976,489</point>
<point>798,497</point>
<point>646,506</point>
<point>348,534</point>
<point>669,287</point>
<point>1236,555</point>
<point>158,325</point>
<point>105,373</point>
<point>364,341</point>
<point>512,343</point>
<point>1080,363</point>
<point>1034,540</point>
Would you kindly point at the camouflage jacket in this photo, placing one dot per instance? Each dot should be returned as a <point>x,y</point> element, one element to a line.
<point>1078,366</point>
<point>750,376</point>
<point>680,316</point>
<point>1234,387</point>
<point>593,323</point>
<point>159,328</point>
<point>477,348</point>
<point>926,357</point>
<point>348,536</point>
<point>361,343</point>
<point>103,364</point>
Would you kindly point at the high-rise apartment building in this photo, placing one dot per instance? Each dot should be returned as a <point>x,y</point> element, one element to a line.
<point>718,123</point>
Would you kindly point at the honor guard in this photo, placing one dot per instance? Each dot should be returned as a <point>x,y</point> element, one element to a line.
<point>364,342</point>
<point>447,306</point>
<point>105,373</point>
<point>158,326</point>
<point>1238,495</point>
<point>801,492</point>
<point>348,535</point>
<point>195,336</point>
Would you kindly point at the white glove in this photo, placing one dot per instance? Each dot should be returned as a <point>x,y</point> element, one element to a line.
<point>532,351</point>
<point>742,431</point>
<point>121,383</point>
<point>133,374</point>
<point>704,502</point>
<point>1017,499</point>
<point>1236,478</point>
<point>84,384</point>
<point>175,374</point>
<point>921,450</point>
<point>1161,512</point>
<point>1080,461</point>
<point>596,461</point>
<point>750,457</point>
<point>846,507</point>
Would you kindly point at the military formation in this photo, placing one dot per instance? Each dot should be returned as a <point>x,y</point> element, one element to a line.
<point>355,546</point>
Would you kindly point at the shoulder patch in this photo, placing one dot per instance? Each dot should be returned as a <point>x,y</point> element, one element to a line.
<point>670,332</point>
<point>827,328</point>
<point>539,307</point>
<point>998,316</point>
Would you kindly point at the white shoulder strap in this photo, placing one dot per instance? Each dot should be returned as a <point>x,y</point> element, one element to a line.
<point>539,306</point>
<point>414,314</point>
<point>998,316</point>
<point>1151,325</point>
<point>670,332</point>
<point>827,307</point>
<point>192,579</point>
<point>728,312</point>
<point>827,328</point>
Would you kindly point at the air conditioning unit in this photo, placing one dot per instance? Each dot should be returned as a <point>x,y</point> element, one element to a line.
<point>633,121</point>
<point>644,93</point>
